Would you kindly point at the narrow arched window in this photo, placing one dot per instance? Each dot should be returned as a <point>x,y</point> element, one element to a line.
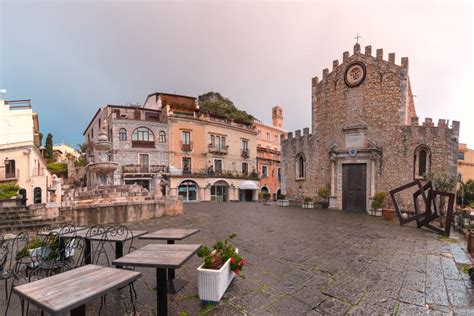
<point>162,137</point>
<point>122,134</point>
<point>300,166</point>
<point>422,161</point>
<point>143,134</point>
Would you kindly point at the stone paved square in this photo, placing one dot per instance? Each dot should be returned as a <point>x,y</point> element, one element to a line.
<point>309,262</point>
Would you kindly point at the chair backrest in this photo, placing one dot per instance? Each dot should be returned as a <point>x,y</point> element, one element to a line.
<point>98,251</point>
<point>124,232</point>
<point>74,253</point>
<point>68,229</point>
<point>11,251</point>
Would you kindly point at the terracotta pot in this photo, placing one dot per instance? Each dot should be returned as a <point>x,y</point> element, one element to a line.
<point>388,214</point>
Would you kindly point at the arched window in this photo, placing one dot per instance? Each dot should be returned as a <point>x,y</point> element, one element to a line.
<point>300,166</point>
<point>122,134</point>
<point>422,161</point>
<point>143,134</point>
<point>162,138</point>
<point>37,195</point>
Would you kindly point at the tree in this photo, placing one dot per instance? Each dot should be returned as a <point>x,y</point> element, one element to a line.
<point>49,146</point>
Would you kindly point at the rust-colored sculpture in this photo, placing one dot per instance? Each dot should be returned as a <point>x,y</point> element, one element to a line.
<point>429,196</point>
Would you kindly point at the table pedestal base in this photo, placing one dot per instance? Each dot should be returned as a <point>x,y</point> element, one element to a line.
<point>175,285</point>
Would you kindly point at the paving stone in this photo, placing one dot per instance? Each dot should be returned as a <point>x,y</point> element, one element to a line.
<point>289,305</point>
<point>412,297</point>
<point>355,258</point>
<point>310,296</point>
<point>332,306</point>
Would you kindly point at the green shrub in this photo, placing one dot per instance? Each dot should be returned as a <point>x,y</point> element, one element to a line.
<point>8,190</point>
<point>57,166</point>
<point>379,197</point>
<point>307,200</point>
<point>282,197</point>
<point>324,192</point>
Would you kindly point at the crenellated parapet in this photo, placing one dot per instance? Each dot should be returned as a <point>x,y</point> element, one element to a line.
<point>297,137</point>
<point>443,125</point>
<point>357,55</point>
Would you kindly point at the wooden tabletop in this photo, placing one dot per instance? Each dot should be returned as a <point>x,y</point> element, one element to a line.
<point>159,256</point>
<point>65,291</point>
<point>171,234</point>
<point>112,237</point>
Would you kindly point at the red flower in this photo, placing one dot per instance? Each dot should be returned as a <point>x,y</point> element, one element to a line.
<point>237,272</point>
<point>232,260</point>
<point>243,261</point>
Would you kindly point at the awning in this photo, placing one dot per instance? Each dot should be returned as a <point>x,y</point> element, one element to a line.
<point>248,185</point>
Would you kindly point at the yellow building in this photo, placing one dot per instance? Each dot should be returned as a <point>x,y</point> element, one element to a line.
<point>21,161</point>
<point>211,157</point>
<point>465,162</point>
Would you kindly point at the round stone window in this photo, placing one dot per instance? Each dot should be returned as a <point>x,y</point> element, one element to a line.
<point>355,74</point>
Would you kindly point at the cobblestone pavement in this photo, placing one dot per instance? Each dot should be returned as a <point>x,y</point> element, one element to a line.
<point>312,262</point>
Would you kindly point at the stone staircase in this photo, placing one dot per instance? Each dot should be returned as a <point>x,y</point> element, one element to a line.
<point>21,218</point>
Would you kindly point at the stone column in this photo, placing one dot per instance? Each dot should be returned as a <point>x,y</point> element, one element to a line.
<point>333,177</point>
<point>372,178</point>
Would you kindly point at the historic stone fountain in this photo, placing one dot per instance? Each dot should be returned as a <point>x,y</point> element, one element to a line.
<point>100,172</point>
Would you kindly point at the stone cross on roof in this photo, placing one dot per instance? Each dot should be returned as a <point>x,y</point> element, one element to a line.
<point>357,37</point>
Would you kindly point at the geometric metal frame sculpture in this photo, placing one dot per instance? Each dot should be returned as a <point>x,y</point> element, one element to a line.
<point>431,210</point>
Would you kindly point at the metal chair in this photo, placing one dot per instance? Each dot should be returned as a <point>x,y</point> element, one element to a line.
<point>94,251</point>
<point>12,263</point>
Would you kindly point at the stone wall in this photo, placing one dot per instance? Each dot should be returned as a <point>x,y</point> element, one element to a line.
<point>117,213</point>
<point>377,120</point>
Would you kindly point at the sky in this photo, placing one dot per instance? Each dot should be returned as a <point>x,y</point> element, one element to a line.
<point>71,57</point>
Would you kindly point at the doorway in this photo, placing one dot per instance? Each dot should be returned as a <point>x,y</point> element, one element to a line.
<point>354,187</point>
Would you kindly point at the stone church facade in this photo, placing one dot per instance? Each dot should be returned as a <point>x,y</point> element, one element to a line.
<point>366,136</point>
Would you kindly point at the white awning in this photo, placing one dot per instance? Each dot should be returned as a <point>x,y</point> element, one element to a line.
<point>248,185</point>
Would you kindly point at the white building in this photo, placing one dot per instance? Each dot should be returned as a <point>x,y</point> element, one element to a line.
<point>21,161</point>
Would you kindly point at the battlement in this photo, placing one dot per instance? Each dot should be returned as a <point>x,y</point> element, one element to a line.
<point>442,124</point>
<point>368,53</point>
<point>297,135</point>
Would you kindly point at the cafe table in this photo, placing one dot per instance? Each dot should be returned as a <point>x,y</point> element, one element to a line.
<point>161,257</point>
<point>171,235</point>
<point>71,290</point>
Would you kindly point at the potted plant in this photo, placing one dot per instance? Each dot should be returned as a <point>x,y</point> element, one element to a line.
<point>282,201</point>
<point>324,193</point>
<point>308,202</point>
<point>35,249</point>
<point>377,203</point>
<point>219,268</point>
<point>265,196</point>
<point>388,211</point>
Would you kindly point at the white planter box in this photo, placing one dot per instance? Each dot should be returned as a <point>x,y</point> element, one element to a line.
<point>212,284</point>
<point>38,254</point>
<point>308,205</point>
<point>283,202</point>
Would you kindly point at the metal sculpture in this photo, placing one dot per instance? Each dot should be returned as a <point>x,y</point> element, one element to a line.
<point>429,197</point>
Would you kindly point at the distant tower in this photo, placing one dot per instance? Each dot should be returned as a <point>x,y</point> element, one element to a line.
<point>277,116</point>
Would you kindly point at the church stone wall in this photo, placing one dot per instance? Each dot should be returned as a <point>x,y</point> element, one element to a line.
<point>377,119</point>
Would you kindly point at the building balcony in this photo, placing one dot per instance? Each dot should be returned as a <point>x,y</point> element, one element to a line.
<point>9,176</point>
<point>143,144</point>
<point>186,146</point>
<point>245,153</point>
<point>202,173</point>
<point>219,150</point>
<point>143,169</point>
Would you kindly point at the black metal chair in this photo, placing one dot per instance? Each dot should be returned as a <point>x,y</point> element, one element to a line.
<point>126,247</point>
<point>95,251</point>
<point>13,258</point>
